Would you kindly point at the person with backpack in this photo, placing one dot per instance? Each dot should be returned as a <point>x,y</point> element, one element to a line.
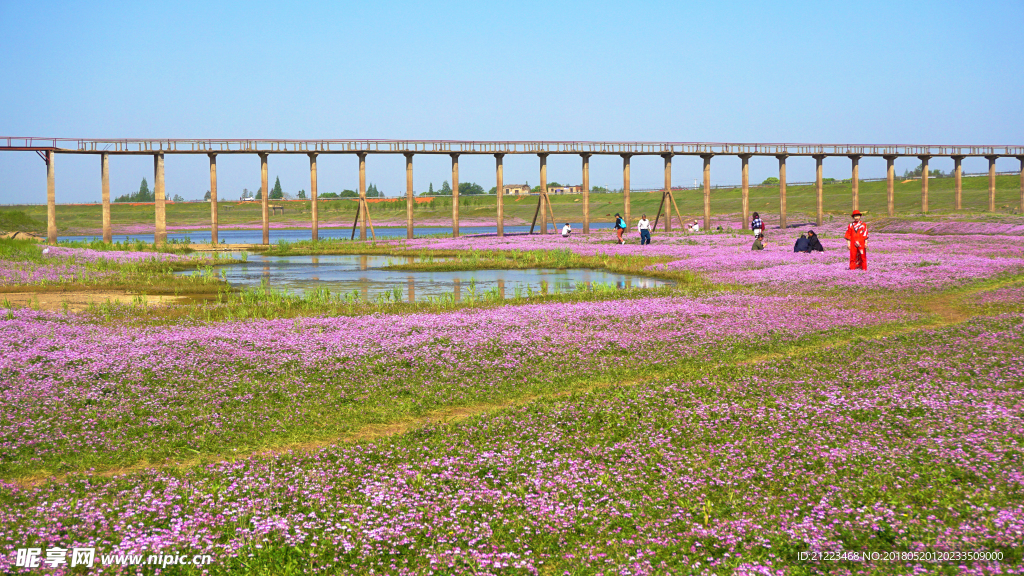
<point>620,226</point>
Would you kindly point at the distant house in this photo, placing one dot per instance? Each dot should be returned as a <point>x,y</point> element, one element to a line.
<point>515,190</point>
<point>565,190</point>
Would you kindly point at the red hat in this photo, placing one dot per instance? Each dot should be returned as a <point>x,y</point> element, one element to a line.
<point>856,213</point>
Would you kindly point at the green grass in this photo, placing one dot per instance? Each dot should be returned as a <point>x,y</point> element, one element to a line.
<point>19,221</point>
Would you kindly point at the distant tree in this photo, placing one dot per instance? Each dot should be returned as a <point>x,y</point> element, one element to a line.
<point>259,193</point>
<point>430,191</point>
<point>142,195</point>
<point>446,189</point>
<point>177,198</point>
<point>470,188</point>
<point>348,194</point>
<point>828,180</point>
<point>276,193</point>
<point>208,196</point>
<point>301,195</point>
<point>329,195</point>
<point>373,192</point>
<point>598,189</point>
<point>770,181</point>
<point>554,185</point>
<point>493,191</point>
<point>916,172</point>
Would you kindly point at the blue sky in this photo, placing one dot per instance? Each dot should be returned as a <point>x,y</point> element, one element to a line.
<point>861,72</point>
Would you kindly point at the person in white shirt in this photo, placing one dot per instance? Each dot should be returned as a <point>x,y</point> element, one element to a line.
<point>645,230</point>
<point>695,227</point>
<point>566,230</point>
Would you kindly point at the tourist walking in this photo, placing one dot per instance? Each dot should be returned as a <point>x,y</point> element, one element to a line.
<point>857,242</point>
<point>620,226</point>
<point>757,225</point>
<point>644,226</point>
<point>813,243</point>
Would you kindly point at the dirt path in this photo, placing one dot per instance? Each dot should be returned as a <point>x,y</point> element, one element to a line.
<point>77,301</point>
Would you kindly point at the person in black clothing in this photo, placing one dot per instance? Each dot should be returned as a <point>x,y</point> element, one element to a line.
<point>802,245</point>
<point>813,243</point>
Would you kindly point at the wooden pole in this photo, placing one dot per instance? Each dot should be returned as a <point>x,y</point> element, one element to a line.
<point>499,177</point>
<point>586,193</point>
<point>51,199</point>
<point>160,236</point>
<point>362,195</point>
<point>668,193</point>
<point>105,195</point>
<point>991,183</point>
<point>359,208</point>
<point>657,216</point>
<point>543,193</point>
<point>410,199</point>
<point>707,190</point>
<point>625,188</point>
<point>782,191</point>
<point>745,193</point>
<point>679,214</point>
<point>1021,160</point>
<point>819,188</point>
<point>957,182</point>
<point>890,177</point>
<point>855,180</point>
<point>536,212</point>
<point>214,217</point>
<point>315,217</point>
<point>455,195</point>
<point>924,183</point>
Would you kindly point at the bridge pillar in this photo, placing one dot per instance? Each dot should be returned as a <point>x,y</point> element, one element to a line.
<point>668,192</point>
<point>890,177</point>
<point>1021,160</point>
<point>818,158</point>
<point>265,197</point>
<point>499,177</point>
<point>957,182</point>
<point>991,183</point>
<point>544,194</point>
<point>924,183</point>
<point>707,190</point>
<point>105,195</point>
<point>214,218</point>
<point>855,180</point>
<point>315,216</point>
<point>51,199</point>
<point>625,187</point>
<point>362,195</point>
<point>745,190</point>
<point>455,195</point>
<point>586,192</point>
<point>410,199</point>
<point>782,190</point>
<point>160,235</point>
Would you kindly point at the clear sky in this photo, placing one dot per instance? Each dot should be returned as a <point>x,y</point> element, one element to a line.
<point>831,72</point>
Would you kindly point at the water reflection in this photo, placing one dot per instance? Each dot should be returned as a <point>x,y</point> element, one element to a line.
<point>365,276</point>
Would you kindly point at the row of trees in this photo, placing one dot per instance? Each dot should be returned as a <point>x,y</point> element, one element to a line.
<point>144,194</point>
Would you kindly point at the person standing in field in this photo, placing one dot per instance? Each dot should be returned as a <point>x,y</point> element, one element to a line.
<point>645,230</point>
<point>857,242</point>
<point>757,225</point>
<point>620,226</point>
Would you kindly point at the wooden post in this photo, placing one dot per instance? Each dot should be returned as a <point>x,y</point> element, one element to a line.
<point>315,217</point>
<point>214,218</point>
<point>1021,160</point>
<point>543,193</point>
<point>455,195</point>
<point>51,199</point>
<point>105,195</point>
<point>818,158</point>
<point>855,179</point>
<point>410,199</point>
<point>782,190</point>
<point>667,197</point>
<point>890,177</point>
<point>958,174</point>
<point>625,187</point>
<point>991,183</point>
<point>707,190</point>
<point>160,235</point>
<point>586,192</point>
<point>924,183</point>
<point>745,159</point>
<point>362,195</point>
<point>499,177</point>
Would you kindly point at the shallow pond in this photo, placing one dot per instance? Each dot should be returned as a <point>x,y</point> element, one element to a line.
<point>367,276</point>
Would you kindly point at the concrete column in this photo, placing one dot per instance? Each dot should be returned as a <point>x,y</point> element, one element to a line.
<point>707,190</point>
<point>455,195</point>
<point>544,193</point>
<point>958,182</point>
<point>410,198</point>
<point>818,158</point>
<point>315,217</point>
<point>668,190</point>
<point>214,222</point>
<point>745,192</point>
<point>625,188</point>
<point>924,183</point>
<point>265,195</point>
<point>586,192</point>
<point>105,195</point>
<point>890,177</point>
<point>362,195</point>
<point>1021,160</point>
<point>782,190</point>
<point>51,200</point>
<point>499,176</point>
<point>160,235</point>
<point>855,179</point>
<point>991,183</point>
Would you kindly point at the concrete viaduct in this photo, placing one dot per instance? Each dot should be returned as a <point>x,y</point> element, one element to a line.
<point>48,148</point>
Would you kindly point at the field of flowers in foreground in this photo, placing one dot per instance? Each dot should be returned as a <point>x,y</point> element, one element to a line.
<point>908,443</point>
<point>100,394</point>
